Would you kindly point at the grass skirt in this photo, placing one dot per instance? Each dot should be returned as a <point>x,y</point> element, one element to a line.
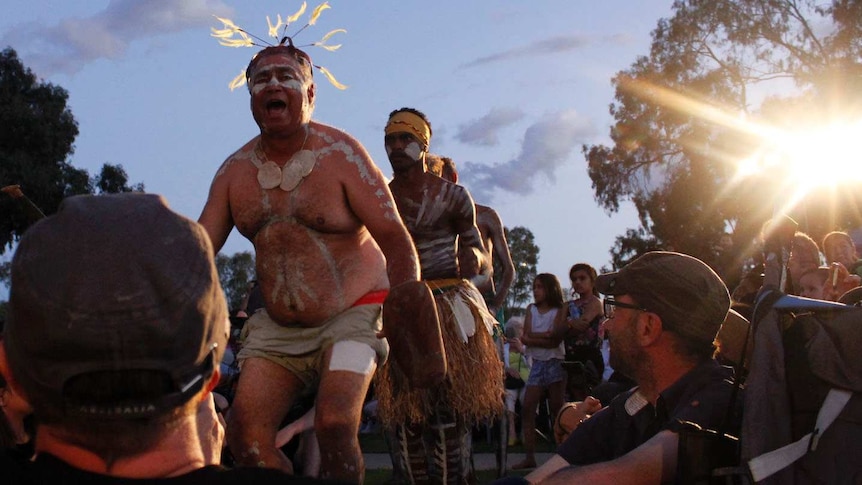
<point>473,387</point>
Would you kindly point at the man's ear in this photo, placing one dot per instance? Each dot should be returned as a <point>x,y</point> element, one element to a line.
<point>649,328</point>
<point>312,90</point>
<point>213,382</point>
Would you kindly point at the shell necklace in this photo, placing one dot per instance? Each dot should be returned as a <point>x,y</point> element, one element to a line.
<point>270,175</point>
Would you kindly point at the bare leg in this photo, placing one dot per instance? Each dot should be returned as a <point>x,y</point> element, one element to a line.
<point>556,397</point>
<point>263,397</point>
<point>528,425</point>
<point>339,410</point>
<point>513,435</point>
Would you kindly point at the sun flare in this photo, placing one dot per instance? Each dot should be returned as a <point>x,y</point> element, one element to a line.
<point>823,156</point>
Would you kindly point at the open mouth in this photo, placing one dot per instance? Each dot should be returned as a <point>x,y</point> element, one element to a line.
<point>275,105</point>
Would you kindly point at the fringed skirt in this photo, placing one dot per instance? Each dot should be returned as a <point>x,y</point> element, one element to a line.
<point>473,387</point>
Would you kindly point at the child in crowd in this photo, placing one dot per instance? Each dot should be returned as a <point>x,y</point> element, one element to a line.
<point>517,372</point>
<point>813,282</point>
<point>839,248</point>
<point>584,362</point>
<point>544,328</point>
<point>804,256</point>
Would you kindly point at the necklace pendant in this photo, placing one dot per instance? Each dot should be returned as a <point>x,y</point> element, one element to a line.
<point>290,177</point>
<point>300,165</point>
<point>269,175</point>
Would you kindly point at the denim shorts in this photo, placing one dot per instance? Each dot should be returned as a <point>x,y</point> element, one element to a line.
<point>546,372</point>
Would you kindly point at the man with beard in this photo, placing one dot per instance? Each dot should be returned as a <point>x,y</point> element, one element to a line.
<point>664,311</point>
<point>432,424</point>
<point>329,244</point>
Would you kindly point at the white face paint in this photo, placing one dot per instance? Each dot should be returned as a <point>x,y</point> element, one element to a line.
<point>388,151</point>
<point>413,150</point>
<point>276,75</point>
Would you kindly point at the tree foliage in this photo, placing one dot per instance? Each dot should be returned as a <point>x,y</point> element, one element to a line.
<point>525,256</point>
<point>679,115</point>
<point>235,272</point>
<point>36,139</point>
<point>37,135</point>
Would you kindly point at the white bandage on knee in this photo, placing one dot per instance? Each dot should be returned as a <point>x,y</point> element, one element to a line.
<point>353,356</point>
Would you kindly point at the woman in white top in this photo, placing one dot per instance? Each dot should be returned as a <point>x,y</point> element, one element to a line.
<point>544,328</point>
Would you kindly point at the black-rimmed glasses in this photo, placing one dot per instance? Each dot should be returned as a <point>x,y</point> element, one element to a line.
<point>610,303</point>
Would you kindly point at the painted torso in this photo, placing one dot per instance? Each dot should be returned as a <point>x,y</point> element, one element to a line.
<point>314,256</point>
<point>431,216</point>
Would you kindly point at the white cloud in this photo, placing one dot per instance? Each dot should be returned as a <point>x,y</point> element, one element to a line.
<point>547,145</point>
<point>550,45</point>
<point>72,43</point>
<point>483,131</point>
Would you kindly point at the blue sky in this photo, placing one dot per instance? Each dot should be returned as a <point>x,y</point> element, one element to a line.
<point>512,89</point>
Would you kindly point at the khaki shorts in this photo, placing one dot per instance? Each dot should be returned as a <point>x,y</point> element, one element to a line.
<point>300,350</point>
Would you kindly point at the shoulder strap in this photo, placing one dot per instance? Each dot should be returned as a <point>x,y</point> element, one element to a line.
<point>769,463</point>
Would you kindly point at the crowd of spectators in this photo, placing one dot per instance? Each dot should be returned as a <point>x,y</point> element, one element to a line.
<point>129,395</point>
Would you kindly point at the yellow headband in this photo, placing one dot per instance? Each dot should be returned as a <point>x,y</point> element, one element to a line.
<point>405,121</point>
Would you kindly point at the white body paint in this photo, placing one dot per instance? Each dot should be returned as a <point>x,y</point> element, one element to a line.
<point>353,357</point>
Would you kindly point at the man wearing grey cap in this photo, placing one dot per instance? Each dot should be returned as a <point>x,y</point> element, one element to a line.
<point>664,311</point>
<point>115,328</point>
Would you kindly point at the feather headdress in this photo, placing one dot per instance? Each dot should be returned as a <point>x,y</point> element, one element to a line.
<point>231,35</point>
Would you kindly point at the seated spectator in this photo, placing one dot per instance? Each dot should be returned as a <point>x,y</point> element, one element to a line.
<point>812,283</point>
<point>664,312</point>
<point>115,328</point>
<point>517,366</point>
<point>838,247</point>
<point>804,255</point>
<point>828,282</point>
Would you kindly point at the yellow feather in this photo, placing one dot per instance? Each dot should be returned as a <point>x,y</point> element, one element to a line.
<point>273,29</point>
<point>237,81</point>
<point>295,16</point>
<point>331,33</point>
<point>236,42</point>
<point>228,23</point>
<point>221,33</point>
<point>317,11</point>
<point>330,48</point>
<point>331,78</point>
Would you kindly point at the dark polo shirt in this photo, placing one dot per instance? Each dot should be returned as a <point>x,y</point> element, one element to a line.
<point>701,396</point>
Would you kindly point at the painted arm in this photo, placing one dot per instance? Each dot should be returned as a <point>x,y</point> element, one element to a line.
<point>372,202</point>
<point>501,252</point>
<point>216,216</point>
<point>473,259</point>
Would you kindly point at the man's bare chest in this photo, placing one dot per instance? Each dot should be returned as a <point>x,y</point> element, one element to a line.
<point>317,203</point>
